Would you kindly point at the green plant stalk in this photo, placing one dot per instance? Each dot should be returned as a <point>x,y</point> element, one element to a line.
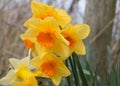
<point>88,67</point>
<point>69,78</point>
<point>84,81</point>
<point>74,71</point>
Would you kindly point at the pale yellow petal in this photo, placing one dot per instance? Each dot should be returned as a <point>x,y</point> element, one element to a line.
<point>31,67</point>
<point>25,60</point>
<point>14,62</point>
<point>8,79</point>
<point>79,48</point>
<point>36,62</point>
<point>82,30</point>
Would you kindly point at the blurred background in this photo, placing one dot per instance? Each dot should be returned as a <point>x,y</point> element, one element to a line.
<point>102,16</point>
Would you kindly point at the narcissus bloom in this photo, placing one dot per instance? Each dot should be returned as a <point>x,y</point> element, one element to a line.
<point>75,34</point>
<point>31,81</point>
<point>51,67</point>
<point>42,11</point>
<point>48,35</point>
<point>20,72</point>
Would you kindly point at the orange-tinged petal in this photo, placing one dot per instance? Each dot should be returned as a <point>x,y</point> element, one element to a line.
<point>42,11</point>
<point>70,39</point>
<point>29,44</point>
<point>46,39</point>
<point>75,34</point>
<point>48,34</point>
<point>51,66</point>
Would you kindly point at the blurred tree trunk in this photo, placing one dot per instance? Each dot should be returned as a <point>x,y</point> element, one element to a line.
<point>98,14</point>
<point>116,35</point>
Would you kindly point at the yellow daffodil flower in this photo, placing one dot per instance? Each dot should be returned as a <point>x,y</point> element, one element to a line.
<point>51,67</point>
<point>31,81</point>
<point>42,11</point>
<point>75,34</point>
<point>19,72</point>
<point>48,35</point>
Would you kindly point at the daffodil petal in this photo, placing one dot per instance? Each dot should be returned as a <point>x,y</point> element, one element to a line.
<point>31,81</point>
<point>31,67</point>
<point>47,23</point>
<point>83,30</point>
<point>30,34</point>
<point>62,17</point>
<point>79,48</point>
<point>51,23</point>
<point>62,71</point>
<point>56,80</point>
<point>51,66</point>
<point>7,80</point>
<point>35,8</point>
<point>30,22</point>
<point>26,60</point>
<point>66,71</point>
<point>61,49</point>
<point>35,61</point>
<point>14,62</point>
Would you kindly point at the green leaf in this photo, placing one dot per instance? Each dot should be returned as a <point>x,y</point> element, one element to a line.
<point>75,74</point>
<point>69,78</point>
<point>80,69</point>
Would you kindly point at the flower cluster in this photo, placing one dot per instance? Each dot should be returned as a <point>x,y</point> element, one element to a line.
<point>51,39</point>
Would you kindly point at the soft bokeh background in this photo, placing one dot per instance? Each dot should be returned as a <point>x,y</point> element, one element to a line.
<point>103,16</point>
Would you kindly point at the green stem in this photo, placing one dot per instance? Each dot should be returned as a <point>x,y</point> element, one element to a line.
<point>84,81</point>
<point>69,78</point>
<point>74,71</point>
